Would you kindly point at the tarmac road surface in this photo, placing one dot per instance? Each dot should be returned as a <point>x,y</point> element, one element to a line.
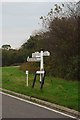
<point>14,107</point>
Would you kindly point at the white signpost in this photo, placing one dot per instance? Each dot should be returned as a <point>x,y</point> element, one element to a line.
<point>35,59</point>
<point>38,57</point>
<point>46,53</point>
<point>36,54</point>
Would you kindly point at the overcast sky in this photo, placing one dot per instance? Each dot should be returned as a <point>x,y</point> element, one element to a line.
<point>21,19</point>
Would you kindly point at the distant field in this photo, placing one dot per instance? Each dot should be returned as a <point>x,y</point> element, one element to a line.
<point>55,90</point>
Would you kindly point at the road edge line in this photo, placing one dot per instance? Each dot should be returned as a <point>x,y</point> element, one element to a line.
<point>58,108</point>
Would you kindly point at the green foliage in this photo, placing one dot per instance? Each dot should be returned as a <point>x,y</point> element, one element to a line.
<point>6,47</point>
<point>13,57</point>
<point>30,66</point>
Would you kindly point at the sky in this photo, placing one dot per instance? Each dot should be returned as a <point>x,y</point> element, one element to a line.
<point>21,19</point>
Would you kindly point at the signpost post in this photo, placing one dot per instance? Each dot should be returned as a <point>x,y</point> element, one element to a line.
<point>38,57</point>
<point>41,66</point>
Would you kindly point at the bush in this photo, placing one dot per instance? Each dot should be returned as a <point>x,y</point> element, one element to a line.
<point>30,66</point>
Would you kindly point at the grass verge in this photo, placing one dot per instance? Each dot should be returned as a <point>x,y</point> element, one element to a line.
<point>55,90</point>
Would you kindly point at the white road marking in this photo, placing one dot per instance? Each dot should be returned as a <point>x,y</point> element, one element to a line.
<point>38,105</point>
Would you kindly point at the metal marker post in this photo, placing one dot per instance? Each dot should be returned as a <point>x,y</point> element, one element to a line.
<point>27,78</point>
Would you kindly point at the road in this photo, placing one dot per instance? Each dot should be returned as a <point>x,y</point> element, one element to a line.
<point>14,107</point>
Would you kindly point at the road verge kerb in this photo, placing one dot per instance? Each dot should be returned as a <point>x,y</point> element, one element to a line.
<point>45,103</point>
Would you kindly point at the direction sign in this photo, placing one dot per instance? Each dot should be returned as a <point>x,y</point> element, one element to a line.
<point>36,54</point>
<point>34,59</point>
<point>40,72</point>
<point>46,53</point>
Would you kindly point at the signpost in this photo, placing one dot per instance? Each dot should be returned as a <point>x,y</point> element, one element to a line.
<point>46,53</point>
<point>35,59</point>
<point>38,57</point>
<point>36,54</point>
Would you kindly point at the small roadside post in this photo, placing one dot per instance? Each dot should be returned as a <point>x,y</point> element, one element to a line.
<point>27,78</point>
<point>38,57</point>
